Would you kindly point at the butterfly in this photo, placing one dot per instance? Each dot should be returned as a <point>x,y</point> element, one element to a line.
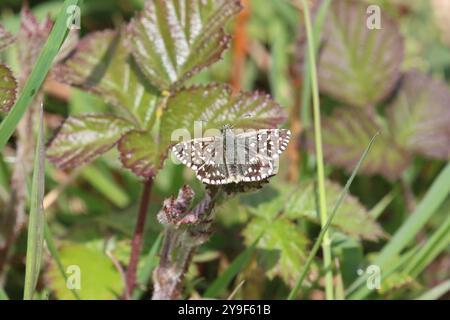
<point>234,157</point>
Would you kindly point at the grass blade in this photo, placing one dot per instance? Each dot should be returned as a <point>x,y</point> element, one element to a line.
<point>222,282</point>
<point>38,75</point>
<point>436,292</point>
<point>324,230</point>
<point>306,89</point>
<point>438,242</point>
<point>35,241</point>
<point>319,152</point>
<point>427,207</point>
<point>149,264</point>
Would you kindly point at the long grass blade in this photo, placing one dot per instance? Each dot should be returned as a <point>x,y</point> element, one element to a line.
<point>436,292</point>
<point>438,242</point>
<point>298,285</point>
<point>326,247</point>
<point>435,196</point>
<point>38,75</point>
<point>36,220</point>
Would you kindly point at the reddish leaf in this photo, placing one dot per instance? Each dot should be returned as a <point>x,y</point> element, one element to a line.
<point>83,138</point>
<point>420,116</point>
<point>347,133</point>
<point>31,38</point>
<point>139,153</point>
<point>5,38</point>
<point>358,65</point>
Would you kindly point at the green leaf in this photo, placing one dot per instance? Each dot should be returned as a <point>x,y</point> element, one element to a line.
<point>103,65</point>
<point>282,246</point>
<point>140,154</point>
<point>36,222</point>
<point>5,38</point>
<point>352,218</point>
<point>8,88</point>
<point>174,39</point>
<point>419,117</point>
<point>83,138</point>
<point>346,133</point>
<point>99,279</point>
<point>214,106</point>
<point>358,65</point>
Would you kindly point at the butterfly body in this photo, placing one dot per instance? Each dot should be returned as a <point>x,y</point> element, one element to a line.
<point>234,157</point>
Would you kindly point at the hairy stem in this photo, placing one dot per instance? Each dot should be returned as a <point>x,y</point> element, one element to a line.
<point>138,235</point>
<point>184,233</point>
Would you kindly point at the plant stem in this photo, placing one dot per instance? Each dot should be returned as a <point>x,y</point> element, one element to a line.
<point>184,233</point>
<point>319,155</point>
<point>138,235</point>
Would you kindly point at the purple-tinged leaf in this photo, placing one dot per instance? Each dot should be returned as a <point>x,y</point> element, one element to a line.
<point>8,88</point>
<point>347,133</point>
<point>82,138</point>
<point>214,106</point>
<point>140,154</point>
<point>419,116</point>
<point>174,39</point>
<point>31,38</point>
<point>5,38</point>
<point>358,65</point>
<point>102,65</point>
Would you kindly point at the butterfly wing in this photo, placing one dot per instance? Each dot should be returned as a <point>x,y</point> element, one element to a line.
<point>204,156</point>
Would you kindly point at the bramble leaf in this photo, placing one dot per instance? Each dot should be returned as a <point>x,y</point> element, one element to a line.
<point>174,39</point>
<point>5,38</point>
<point>8,88</point>
<point>140,154</point>
<point>98,278</point>
<point>82,138</point>
<point>358,65</point>
<point>297,202</point>
<point>31,38</point>
<point>102,65</point>
<point>419,117</point>
<point>214,106</point>
<point>281,248</point>
<point>352,217</point>
<point>345,136</point>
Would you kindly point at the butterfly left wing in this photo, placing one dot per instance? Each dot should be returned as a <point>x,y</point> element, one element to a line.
<point>203,156</point>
